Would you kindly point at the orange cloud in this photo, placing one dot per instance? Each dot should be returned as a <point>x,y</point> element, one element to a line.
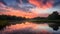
<point>40,4</point>
<point>14,12</point>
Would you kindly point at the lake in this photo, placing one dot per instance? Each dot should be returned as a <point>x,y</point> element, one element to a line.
<point>29,28</point>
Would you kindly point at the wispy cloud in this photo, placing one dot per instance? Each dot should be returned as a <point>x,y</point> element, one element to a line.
<point>29,8</point>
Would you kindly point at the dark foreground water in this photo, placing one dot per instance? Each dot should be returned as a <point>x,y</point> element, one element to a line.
<point>29,28</point>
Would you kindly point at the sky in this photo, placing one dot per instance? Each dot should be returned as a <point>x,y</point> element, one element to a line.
<point>29,8</point>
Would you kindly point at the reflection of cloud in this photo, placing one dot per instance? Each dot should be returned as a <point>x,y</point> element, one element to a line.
<point>27,28</point>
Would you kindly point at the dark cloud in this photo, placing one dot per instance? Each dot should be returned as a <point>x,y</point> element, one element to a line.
<point>25,1</point>
<point>56,2</point>
<point>44,1</point>
<point>53,3</point>
<point>18,1</point>
<point>2,1</point>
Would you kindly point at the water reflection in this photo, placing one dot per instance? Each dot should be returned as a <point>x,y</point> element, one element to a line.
<point>29,28</point>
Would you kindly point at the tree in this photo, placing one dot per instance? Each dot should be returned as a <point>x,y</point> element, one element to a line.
<point>8,17</point>
<point>54,15</point>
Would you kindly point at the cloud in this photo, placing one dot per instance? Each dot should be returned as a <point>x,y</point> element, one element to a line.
<point>28,8</point>
<point>19,4</point>
<point>25,1</point>
<point>2,1</point>
<point>22,1</point>
<point>56,2</point>
<point>41,3</point>
<point>15,12</point>
<point>38,3</point>
<point>19,1</point>
<point>45,3</point>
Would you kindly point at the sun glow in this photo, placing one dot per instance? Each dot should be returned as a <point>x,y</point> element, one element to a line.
<point>14,12</point>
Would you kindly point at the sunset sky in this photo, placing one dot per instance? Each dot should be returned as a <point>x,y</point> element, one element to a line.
<point>29,8</point>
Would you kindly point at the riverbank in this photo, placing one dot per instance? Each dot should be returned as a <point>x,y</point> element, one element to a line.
<point>47,21</point>
<point>4,23</point>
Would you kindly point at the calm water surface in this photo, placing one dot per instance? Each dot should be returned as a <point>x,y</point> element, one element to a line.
<point>29,28</point>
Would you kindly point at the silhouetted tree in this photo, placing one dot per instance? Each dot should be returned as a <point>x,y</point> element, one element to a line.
<point>59,17</point>
<point>54,15</point>
<point>39,18</point>
<point>8,17</point>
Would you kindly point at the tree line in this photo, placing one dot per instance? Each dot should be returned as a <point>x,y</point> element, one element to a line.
<point>54,16</point>
<point>8,17</point>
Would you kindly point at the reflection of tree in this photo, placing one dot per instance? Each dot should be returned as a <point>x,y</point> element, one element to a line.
<point>54,26</point>
<point>8,20</point>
